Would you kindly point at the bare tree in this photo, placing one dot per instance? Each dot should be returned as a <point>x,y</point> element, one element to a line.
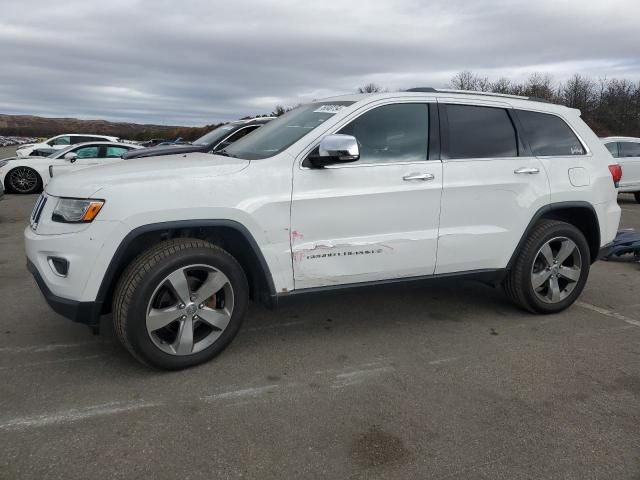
<point>370,88</point>
<point>539,86</point>
<point>502,85</point>
<point>467,80</point>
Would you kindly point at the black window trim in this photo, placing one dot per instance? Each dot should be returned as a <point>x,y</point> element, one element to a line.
<point>587,151</point>
<point>522,146</point>
<point>434,139</point>
<point>244,127</point>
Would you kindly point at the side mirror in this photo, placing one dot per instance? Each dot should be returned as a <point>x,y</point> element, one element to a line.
<point>71,156</point>
<point>335,149</point>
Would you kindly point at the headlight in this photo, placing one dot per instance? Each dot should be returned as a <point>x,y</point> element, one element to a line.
<point>74,210</point>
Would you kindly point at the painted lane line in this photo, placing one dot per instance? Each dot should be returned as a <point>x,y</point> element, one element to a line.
<point>359,376</point>
<point>242,393</point>
<point>49,362</point>
<point>443,360</point>
<point>608,313</point>
<point>44,348</point>
<point>74,415</point>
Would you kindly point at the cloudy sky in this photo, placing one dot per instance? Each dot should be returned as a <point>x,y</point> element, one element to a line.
<point>195,62</point>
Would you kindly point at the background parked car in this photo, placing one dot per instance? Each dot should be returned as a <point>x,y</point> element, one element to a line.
<point>627,151</point>
<point>63,141</point>
<point>30,174</point>
<point>215,140</point>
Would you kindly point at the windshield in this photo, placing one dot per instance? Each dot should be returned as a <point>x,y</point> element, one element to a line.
<point>279,134</point>
<point>215,135</point>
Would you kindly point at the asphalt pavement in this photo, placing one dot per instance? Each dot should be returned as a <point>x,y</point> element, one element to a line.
<point>438,382</point>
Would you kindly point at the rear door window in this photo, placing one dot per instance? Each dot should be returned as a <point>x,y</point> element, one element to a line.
<point>114,152</point>
<point>480,132</point>
<point>629,149</point>
<point>549,135</point>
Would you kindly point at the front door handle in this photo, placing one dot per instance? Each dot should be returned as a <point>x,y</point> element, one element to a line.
<point>527,170</point>
<point>418,176</point>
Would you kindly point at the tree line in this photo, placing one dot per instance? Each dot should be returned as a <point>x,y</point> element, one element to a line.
<point>610,106</point>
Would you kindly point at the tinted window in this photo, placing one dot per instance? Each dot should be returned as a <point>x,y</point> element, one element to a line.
<point>480,132</point>
<point>629,149</point>
<point>61,141</point>
<point>549,134</point>
<point>115,152</point>
<point>391,133</point>
<point>87,152</point>
<point>613,148</point>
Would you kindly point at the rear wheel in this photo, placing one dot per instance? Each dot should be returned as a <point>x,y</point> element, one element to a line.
<point>551,269</point>
<point>24,180</point>
<point>637,195</point>
<point>180,303</point>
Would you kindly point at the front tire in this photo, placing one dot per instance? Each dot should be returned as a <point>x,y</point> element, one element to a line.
<point>551,269</point>
<point>23,180</point>
<point>180,303</point>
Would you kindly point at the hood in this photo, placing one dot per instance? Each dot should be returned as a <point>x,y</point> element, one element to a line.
<point>163,170</point>
<point>162,150</point>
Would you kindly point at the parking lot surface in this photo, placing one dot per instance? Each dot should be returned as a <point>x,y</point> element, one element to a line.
<point>441,381</point>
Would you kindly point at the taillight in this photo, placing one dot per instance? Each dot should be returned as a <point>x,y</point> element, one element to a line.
<point>616,173</point>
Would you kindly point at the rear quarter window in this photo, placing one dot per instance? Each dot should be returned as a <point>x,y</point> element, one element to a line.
<point>549,135</point>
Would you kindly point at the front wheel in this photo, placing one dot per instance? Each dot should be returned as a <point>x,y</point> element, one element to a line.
<point>180,303</point>
<point>24,180</point>
<point>551,268</point>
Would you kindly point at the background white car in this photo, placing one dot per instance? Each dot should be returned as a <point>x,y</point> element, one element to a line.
<point>30,174</point>
<point>627,151</point>
<point>63,141</point>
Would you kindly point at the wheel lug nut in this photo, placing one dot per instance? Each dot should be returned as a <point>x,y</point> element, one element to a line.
<point>181,306</point>
<point>195,317</point>
<point>184,317</point>
<point>201,306</point>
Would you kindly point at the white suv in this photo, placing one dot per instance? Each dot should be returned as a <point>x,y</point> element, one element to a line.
<point>344,192</point>
<point>62,141</point>
<point>627,151</point>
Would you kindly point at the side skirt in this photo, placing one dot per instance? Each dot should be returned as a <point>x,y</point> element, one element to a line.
<point>491,277</point>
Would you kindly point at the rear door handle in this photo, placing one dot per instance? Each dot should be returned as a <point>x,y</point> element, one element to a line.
<point>418,176</point>
<point>527,171</point>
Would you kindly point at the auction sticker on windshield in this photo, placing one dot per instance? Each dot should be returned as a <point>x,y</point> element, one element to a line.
<point>328,109</point>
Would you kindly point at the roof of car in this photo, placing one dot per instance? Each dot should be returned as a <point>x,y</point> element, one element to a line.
<point>616,139</point>
<point>429,92</point>
<point>106,142</point>
<point>85,135</point>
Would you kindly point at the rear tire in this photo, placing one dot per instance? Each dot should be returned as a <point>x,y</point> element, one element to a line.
<point>180,303</point>
<point>551,269</point>
<point>637,196</point>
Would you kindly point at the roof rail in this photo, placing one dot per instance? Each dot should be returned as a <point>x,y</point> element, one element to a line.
<point>470,92</point>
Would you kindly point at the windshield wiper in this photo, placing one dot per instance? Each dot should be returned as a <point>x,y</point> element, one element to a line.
<point>224,153</point>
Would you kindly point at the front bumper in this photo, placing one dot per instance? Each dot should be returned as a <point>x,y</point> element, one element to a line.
<point>87,313</point>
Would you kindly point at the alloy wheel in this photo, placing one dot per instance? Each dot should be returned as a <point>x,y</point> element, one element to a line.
<point>23,180</point>
<point>190,309</point>
<point>556,270</point>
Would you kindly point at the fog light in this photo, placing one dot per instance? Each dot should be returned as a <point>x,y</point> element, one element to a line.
<point>60,266</point>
